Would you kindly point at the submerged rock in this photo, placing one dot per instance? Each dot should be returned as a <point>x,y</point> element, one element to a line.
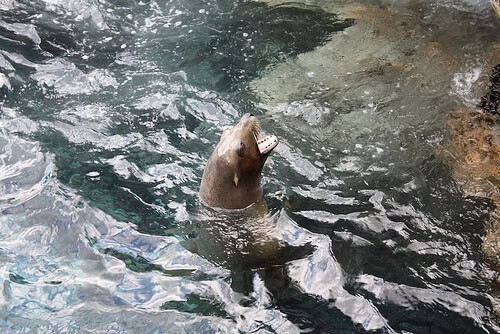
<point>474,154</point>
<point>381,81</point>
<point>490,103</point>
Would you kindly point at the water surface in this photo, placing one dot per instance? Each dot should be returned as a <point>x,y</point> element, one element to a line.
<point>109,110</point>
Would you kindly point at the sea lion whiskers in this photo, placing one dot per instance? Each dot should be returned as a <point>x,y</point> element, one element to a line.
<point>256,136</point>
<point>256,127</point>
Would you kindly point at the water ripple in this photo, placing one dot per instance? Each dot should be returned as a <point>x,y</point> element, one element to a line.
<point>22,177</point>
<point>110,109</point>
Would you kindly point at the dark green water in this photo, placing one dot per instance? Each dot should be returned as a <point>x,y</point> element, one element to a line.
<point>109,110</point>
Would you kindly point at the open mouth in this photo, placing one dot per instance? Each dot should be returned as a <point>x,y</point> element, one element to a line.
<point>267,143</point>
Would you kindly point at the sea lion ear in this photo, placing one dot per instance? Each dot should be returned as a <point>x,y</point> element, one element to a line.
<point>236,180</point>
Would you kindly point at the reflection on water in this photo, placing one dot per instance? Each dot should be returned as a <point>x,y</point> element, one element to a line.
<point>109,110</point>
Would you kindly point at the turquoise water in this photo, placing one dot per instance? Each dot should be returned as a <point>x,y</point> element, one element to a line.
<point>109,110</point>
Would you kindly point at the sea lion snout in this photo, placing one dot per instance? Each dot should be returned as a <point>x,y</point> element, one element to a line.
<point>231,178</point>
<point>265,144</point>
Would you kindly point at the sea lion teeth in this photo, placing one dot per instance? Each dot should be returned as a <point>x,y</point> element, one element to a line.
<point>267,144</point>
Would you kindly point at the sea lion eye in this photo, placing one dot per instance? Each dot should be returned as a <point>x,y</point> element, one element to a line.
<point>242,149</point>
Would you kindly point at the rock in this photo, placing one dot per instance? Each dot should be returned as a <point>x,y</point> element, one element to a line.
<point>491,101</point>
<point>496,6</point>
<point>474,155</point>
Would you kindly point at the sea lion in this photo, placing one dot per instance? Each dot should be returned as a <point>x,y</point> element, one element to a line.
<point>233,227</point>
<point>232,175</point>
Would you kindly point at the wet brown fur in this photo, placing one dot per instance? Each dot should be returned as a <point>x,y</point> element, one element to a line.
<point>232,175</point>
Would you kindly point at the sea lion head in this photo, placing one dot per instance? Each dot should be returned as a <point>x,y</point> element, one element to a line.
<point>231,179</point>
